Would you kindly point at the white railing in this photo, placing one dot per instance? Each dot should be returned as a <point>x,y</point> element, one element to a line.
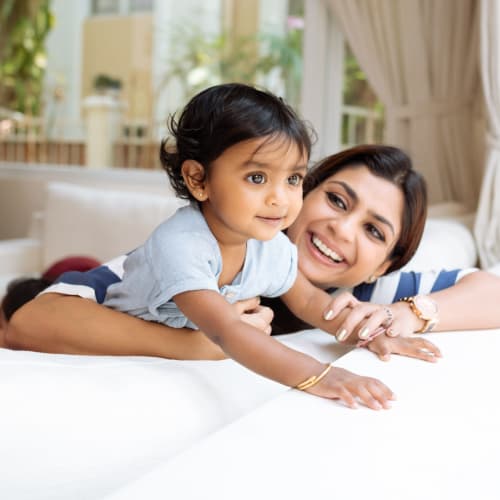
<point>24,139</point>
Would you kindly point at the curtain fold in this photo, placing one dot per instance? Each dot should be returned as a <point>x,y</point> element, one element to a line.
<point>421,58</point>
<point>487,227</point>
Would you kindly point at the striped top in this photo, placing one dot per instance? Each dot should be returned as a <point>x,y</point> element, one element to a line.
<point>393,287</point>
<point>93,284</point>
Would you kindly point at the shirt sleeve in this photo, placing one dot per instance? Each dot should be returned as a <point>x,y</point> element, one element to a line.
<point>91,284</point>
<point>393,287</point>
<point>191,262</point>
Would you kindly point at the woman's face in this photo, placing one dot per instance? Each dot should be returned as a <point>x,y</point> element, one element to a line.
<point>347,228</point>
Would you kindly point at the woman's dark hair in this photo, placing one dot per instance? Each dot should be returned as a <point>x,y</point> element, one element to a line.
<point>222,116</point>
<point>395,166</point>
<point>20,291</point>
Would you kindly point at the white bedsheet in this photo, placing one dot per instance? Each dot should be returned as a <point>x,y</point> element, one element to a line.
<point>440,441</point>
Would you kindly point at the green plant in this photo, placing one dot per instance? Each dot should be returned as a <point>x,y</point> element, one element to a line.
<point>202,60</point>
<point>284,54</point>
<point>357,89</point>
<point>103,82</point>
<point>24,25</point>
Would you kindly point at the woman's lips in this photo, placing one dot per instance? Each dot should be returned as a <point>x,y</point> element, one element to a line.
<point>323,252</point>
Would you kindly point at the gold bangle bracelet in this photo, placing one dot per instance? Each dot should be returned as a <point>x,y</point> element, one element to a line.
<point>311,381</point>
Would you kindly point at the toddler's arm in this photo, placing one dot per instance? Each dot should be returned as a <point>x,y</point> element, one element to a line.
<point>268,357</point>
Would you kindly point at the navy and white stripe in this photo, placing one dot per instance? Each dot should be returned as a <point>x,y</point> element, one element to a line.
<point>387,289</point>
<point>92,284</point>
<point>393,287</point>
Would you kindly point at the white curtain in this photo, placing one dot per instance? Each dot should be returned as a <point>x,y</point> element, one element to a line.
<point>421,57</point>
<point>487,227</point>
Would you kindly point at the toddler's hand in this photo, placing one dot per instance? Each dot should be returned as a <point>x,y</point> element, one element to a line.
<point>351,388</point>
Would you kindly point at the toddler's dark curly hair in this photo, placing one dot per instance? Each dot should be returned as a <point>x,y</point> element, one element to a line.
<point>222,116</point>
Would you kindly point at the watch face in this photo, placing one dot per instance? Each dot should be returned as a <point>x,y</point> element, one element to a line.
<point>427,307</point>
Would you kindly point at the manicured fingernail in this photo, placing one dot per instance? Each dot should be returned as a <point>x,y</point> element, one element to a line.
<point>364,333</point>
<point>391,333</point>
<point>328,315</point>
<point>341,334</point>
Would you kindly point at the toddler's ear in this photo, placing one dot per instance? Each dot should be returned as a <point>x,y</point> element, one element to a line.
<point>194,177</point>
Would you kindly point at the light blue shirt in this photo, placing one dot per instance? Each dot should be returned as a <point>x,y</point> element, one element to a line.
<point>183,255</point>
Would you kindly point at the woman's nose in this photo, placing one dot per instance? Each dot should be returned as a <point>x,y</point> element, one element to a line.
<point>344,226</point>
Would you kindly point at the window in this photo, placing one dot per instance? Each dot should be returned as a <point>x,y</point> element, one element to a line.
<point>105,6</point>
<point>141,5</point>
<point>362,112</point>
<point>123,7</point>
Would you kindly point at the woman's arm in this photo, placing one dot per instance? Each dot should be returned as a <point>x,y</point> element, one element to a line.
<point>72,325</point>
<point>471,303</point>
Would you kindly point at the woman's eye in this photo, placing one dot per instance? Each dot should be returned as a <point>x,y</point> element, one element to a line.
<point>256,179</point>
<point>295,180</point>
<point>375,232</point>
<point>336,200</point>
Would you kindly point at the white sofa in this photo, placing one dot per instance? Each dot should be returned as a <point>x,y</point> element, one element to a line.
<point>81,427</point>
<point>103,223</point>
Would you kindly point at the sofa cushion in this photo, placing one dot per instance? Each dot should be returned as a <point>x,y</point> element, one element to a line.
<point>446,244</point>
<point>101,223</point>
<point>80,426</point>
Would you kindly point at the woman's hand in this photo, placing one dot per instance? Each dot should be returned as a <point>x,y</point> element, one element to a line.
<point>413,347</point>
<point>365,320</point>
<point>357,320</point>
<point>351,388</point>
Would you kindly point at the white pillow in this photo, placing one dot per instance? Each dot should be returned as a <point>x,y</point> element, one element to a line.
<point>446,244</point>
<point>100,223</point>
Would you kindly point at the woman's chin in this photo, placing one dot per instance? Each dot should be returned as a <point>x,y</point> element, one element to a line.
<point>323,272</point>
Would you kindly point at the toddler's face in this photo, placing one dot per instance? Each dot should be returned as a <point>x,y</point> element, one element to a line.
<point>254,189</point>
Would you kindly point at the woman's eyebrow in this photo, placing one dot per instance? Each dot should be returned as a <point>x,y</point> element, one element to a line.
<point>354,196</point>
<point>383,220</point>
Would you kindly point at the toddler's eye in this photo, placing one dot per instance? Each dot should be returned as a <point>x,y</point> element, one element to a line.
<point>295,180</point>
<point>256,178</point>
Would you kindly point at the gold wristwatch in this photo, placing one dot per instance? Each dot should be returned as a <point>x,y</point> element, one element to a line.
<point>424,308</point>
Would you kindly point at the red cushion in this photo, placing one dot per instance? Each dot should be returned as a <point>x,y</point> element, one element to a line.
<point>72,263</point>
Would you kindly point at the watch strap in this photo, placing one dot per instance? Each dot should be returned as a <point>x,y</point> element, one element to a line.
<point>429,323</point>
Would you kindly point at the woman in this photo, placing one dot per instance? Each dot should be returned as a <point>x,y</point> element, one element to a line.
<point>363,217</point>
<point>362,220</point>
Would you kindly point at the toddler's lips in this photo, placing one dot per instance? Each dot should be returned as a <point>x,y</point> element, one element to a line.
<point>272,221</point>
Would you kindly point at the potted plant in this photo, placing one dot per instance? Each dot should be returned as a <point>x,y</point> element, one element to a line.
<point>107,85</point>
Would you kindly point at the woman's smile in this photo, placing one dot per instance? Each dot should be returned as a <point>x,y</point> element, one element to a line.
<point>325,250</point>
